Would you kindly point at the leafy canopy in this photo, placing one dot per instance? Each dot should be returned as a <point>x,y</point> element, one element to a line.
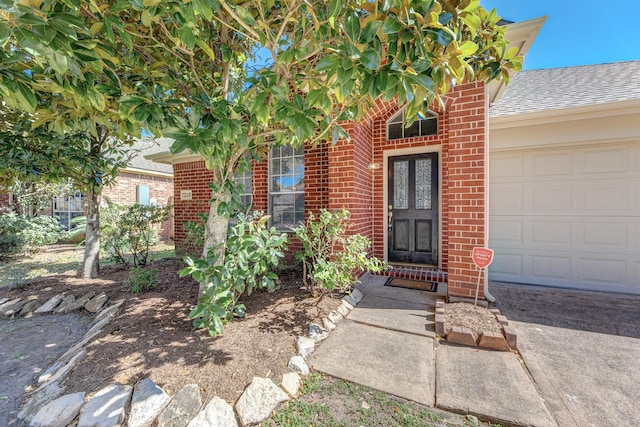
<point>188,69</point>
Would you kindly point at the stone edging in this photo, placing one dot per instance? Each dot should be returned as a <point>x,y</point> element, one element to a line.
<point>505,341</point>
<point>146,402</point>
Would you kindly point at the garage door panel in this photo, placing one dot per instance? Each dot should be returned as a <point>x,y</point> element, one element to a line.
<point>551,267</point>
<point>558,163</point>
<point>551,232</point>
<point>604,197</point>
<point>508,166</point>
<point>604,235</point>
<point>597,271</point>
<point>605,160</point>
<point>507,199</point>
<point>509,266</point>
<point>571,219</point>
<point>509,232</point>
<point>551,198</point>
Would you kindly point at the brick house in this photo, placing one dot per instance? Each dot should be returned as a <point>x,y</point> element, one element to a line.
<point>418,193</point>
<point>142,181</point>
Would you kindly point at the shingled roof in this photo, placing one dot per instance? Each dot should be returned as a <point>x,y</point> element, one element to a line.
<point>147,146</point>
<point>557,88</point>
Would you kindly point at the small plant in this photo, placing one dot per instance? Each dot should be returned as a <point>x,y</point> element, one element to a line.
<point>142,280</point>
<point>252,253</point>
<point>127,235</point>
<point>330,257</point>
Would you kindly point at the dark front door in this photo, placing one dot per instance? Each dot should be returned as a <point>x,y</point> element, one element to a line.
<point>413,209</point>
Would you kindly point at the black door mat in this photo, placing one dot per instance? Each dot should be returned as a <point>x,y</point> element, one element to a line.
<point>420,285</point>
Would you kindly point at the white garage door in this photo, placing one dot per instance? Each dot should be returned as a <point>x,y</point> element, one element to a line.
<point>567,217</point>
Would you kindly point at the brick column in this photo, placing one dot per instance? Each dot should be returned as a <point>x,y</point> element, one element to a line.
<point>350,183</point>
<point>467,186</point>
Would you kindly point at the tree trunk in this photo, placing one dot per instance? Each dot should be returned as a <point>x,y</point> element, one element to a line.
<point>91,262</point>
<point>215,231</point>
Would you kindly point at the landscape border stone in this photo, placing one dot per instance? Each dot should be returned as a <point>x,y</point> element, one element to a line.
<point>504,341</point>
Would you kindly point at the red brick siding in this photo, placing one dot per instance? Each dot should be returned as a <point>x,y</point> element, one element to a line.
<point>124,192</point>
<point>467,189</point>
<point>195,177</point>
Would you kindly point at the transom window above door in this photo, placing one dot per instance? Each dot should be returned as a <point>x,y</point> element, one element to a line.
<point>425,124</point>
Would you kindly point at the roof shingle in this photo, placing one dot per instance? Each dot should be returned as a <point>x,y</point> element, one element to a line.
<point>557,88</point>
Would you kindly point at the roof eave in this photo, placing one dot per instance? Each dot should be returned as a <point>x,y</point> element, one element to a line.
<point>167,158</point>
<point>520,35</point>
<point>564,114</point>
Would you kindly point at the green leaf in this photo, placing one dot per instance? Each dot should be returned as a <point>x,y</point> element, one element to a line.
<point>468,48</point>
<point>327,63</point>
<point>369,31</point>
<point>245,16</point>
<point>352,27</point>
<point>5,33</point>
<point>391,25</point>
<point>472,20</point>
<point>187,37</point>
<point>240,310</point>
<point>370,59</point>
<point>29,42</point>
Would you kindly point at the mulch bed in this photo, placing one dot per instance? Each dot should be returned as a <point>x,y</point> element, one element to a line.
<point>153,337</point>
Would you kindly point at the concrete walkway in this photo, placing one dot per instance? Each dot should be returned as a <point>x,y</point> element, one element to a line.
<point>387,343</point>
<point>582,349</point>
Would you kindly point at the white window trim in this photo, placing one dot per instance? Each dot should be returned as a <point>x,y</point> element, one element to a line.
<point>286,227</point>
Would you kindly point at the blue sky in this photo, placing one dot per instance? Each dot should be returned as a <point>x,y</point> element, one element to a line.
<point>577,32</point>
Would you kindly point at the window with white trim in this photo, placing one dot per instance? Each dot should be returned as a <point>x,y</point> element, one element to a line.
<point>286,186</point>
<point>244,182</point>
<point>66,208</point>
<point>425,124</point>
<point>142,195</point>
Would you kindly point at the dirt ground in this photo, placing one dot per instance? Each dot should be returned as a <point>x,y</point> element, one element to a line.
<point>28,347</point>
<point>153,337</point>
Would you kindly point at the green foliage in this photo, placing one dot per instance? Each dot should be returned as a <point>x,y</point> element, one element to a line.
<point>142,280</point>
<point>31,195</point>
<point>330,257</point>
<point>19,234</point>
<point>194,231</point>
<point>190,73</point>
<point>127,234</point>
<point>251,255</point>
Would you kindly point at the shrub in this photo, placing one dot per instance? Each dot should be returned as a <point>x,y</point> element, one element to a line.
<point>19,234</point>
<point>141,280</point>
<point>252,253</point>
<point>330,257</point>
<point>127,233</point>
<point>194,232</point>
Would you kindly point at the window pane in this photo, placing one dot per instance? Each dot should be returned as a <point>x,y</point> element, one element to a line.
<point>429,126</point>
<point>143,195</point>
<point>413,130</point>
<point>286,199</point>
<point>395,131</point>
<point>423,184</point>
<point>275,166</point>
<point>400,185</point>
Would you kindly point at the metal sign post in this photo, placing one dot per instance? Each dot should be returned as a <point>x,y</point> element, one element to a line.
<point>482,257</point>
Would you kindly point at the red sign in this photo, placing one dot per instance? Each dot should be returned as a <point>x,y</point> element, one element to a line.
<point>482,257</point>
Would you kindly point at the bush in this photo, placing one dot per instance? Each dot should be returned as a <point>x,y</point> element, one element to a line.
<point>194,232</point>
<point>252,254</point>
<point>141,280</point>
<point>19,234</point>
<point>330,257</point>
<point>127,233</point>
